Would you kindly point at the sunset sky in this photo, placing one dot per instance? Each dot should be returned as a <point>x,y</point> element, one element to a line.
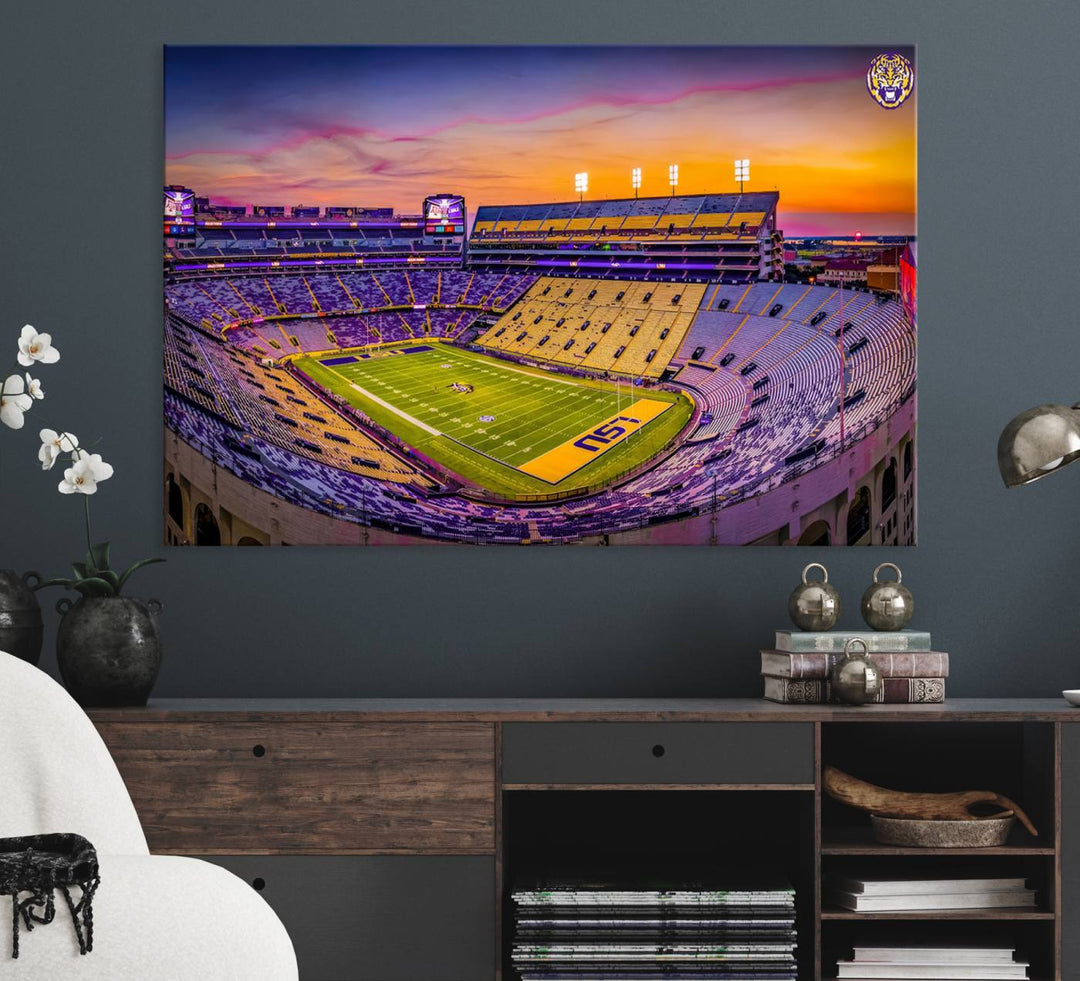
<point>386,126</point>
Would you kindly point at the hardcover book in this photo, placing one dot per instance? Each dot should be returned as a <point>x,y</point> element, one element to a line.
<point>816,664</point>
<point>953,963</point>
<point>967,971</point>
<point>833,641</point>
<point>922,887</point>
<point>895,691</point>
<point>976,900</point>
<point>935,955</point>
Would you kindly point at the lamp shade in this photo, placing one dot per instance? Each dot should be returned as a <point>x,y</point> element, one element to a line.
<point>1037,442</point>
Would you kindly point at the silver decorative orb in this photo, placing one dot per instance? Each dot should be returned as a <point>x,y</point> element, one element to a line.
<point>856,680</point>
<point>814,605</point>
<point>887,605</point>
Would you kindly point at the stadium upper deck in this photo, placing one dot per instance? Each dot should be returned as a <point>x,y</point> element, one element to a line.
<point>217,238</point>
<point>689,237</point>
<point>248,233</point>
<point>195,223</point>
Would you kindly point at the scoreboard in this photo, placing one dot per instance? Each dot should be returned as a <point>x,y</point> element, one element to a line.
<point>179,203</point>
<point>444,214</point>
<point>179,212</point>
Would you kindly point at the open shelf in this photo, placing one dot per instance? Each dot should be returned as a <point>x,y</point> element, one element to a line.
<point>860,841</point>
<point>710,836</point>
<point>1014,759</point>
<point>1032,938</point>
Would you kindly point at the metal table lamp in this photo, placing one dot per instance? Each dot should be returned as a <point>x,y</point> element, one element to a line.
<point>1037,442</point>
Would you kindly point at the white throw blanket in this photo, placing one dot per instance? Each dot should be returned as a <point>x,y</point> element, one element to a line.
<point>156,918</point>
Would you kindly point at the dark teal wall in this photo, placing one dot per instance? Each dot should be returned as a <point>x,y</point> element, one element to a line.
<point>995,577</point>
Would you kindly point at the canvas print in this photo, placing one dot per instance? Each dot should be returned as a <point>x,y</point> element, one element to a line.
<point>540,295</point>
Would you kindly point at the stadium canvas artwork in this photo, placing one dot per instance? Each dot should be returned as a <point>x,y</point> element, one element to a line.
<point>540,295</point>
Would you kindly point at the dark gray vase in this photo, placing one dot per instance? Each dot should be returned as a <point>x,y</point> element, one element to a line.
<point>108,649</point>
<point>21,628</point>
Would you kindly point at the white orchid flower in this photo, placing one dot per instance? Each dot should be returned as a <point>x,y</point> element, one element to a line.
<point>36,347</point>
<point>83,476</point>
<point>14,401</point>
<point>33,387</point>
<point>53,444</point>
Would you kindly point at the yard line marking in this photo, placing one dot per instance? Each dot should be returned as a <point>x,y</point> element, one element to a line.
<point>398,412</point>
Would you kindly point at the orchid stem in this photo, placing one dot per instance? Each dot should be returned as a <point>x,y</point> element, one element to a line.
<point>86,501</point>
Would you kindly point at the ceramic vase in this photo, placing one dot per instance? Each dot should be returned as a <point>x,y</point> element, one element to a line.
<point>109,649</point>
<point>21,629</point>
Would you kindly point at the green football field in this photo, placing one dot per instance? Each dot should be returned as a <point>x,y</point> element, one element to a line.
<point>483,418</point>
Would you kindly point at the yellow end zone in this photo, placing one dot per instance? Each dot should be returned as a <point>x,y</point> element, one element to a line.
<point>558,463</point>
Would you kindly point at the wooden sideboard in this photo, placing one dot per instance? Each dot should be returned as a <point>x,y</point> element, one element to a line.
<point>387,833</point>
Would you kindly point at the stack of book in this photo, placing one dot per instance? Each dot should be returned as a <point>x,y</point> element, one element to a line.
<point>938,963</point>
<point>579,931</point>
<point>796,671</point>
<point>904,894</point>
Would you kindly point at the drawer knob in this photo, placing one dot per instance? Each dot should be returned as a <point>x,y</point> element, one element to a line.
<point>658,751</point>
<point>258,883</point>
<point>258,750</point>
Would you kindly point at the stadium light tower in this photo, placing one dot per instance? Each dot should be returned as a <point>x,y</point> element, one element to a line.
<point>581,184</point>
<point>742,172</point>
<point>673,177</point>
<point>635,180</point>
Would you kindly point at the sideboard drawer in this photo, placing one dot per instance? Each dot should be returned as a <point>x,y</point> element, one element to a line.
<point>230,788</point>
<point>695,753</point>
<point>381,917</point>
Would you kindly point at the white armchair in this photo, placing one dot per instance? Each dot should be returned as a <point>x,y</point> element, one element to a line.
<point>156,918</point>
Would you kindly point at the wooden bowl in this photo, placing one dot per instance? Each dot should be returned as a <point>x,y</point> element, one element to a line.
<point>912,832</point>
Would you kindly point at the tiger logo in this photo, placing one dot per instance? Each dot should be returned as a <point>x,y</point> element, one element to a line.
<point>890,79</point>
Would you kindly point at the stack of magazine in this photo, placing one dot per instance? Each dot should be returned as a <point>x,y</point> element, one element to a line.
<point>937,963</point>
<point>601,931</point>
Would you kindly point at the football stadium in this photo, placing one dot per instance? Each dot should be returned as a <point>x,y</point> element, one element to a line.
<point>626,371</point>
